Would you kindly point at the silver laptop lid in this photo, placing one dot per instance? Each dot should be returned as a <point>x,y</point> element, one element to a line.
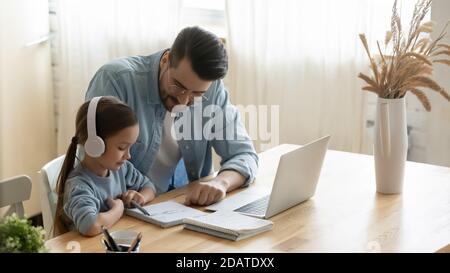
<point>297,176</point>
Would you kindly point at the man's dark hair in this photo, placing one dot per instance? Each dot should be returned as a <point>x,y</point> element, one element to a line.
<point>205,50</point>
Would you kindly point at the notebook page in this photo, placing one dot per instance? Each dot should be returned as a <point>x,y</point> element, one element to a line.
<point>231,220</point>
<point>169,211</point>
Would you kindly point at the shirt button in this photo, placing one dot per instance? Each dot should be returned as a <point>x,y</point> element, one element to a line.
<point>186,147</point>
<point>192,172</point>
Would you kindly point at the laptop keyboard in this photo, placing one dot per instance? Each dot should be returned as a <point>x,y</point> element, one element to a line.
<point>257,207</point>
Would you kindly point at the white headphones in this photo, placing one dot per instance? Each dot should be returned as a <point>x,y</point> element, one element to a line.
<point>94,146</point>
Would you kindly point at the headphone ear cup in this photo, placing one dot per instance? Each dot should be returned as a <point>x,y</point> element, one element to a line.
<point>94,146</point>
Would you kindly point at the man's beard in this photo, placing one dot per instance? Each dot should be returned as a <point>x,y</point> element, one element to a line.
<point>169,101</point>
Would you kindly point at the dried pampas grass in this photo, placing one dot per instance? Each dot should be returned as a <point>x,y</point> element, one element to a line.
<point>410,65</point>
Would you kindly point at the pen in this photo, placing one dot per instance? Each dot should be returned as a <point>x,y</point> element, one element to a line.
<point>110,240</point>
<point>139,207</point>
<point>135,242</point>
<point>106,244</point>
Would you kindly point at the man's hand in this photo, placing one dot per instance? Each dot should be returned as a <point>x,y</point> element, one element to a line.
<point>132,195</point>
<point>206,193</point>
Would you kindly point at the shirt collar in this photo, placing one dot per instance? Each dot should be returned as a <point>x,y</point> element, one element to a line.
<point>155,59</point>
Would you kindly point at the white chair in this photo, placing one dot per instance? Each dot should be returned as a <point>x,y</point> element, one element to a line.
<point>13,191</point>
<point>49,178</point>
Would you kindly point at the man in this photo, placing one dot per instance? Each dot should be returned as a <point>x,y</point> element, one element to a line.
<point>155,86</point>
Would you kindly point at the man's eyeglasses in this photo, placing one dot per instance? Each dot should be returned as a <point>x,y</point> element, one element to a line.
<point>176,89</point>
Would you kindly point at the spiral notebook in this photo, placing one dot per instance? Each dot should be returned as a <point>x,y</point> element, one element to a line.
<point>165,214</point>
<point>228,225</point>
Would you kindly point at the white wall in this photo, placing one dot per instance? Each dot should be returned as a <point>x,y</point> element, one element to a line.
<point>26,110</point>
<point>2,64</point>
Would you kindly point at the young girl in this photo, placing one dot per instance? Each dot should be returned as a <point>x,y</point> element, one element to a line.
<point>93,193</point>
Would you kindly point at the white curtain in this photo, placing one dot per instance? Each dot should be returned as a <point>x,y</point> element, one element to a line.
<point>436,134</point>
<point>305,56</point>
<point>92,32</point>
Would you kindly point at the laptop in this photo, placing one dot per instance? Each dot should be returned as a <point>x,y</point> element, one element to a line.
<point>295,182</point>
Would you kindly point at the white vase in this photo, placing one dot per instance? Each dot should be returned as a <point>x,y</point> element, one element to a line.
<point>390,145</point>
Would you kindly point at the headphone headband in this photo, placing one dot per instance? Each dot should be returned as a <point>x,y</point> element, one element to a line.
<point>91,115</point>
<point>94,145</point>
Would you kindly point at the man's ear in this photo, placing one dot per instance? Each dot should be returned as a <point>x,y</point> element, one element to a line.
<point>165,57</point>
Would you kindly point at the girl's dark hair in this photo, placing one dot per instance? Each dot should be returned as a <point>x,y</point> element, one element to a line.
<point>112,115</point>
<point>204,49</point>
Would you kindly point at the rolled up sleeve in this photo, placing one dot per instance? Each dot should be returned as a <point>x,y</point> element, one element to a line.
<point>237,153</point>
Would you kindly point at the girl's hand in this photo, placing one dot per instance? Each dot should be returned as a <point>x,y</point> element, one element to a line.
<point>132,195</point>
<point>115,203</point>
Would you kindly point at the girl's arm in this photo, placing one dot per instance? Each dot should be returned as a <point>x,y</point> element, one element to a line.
<point>139,187</point>
<point>108,218</point>
<point>148,194</point>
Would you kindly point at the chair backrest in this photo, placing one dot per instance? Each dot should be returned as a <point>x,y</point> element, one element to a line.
<point>13,191</point>
<point>49,178</point>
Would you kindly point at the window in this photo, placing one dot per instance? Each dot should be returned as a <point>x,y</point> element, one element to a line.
<point>208,14</point>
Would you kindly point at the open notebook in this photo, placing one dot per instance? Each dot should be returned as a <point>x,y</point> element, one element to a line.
<point>228,224</point>
<point>165,214</point>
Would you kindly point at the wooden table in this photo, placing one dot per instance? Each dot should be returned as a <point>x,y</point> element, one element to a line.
<point>345,215</point>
